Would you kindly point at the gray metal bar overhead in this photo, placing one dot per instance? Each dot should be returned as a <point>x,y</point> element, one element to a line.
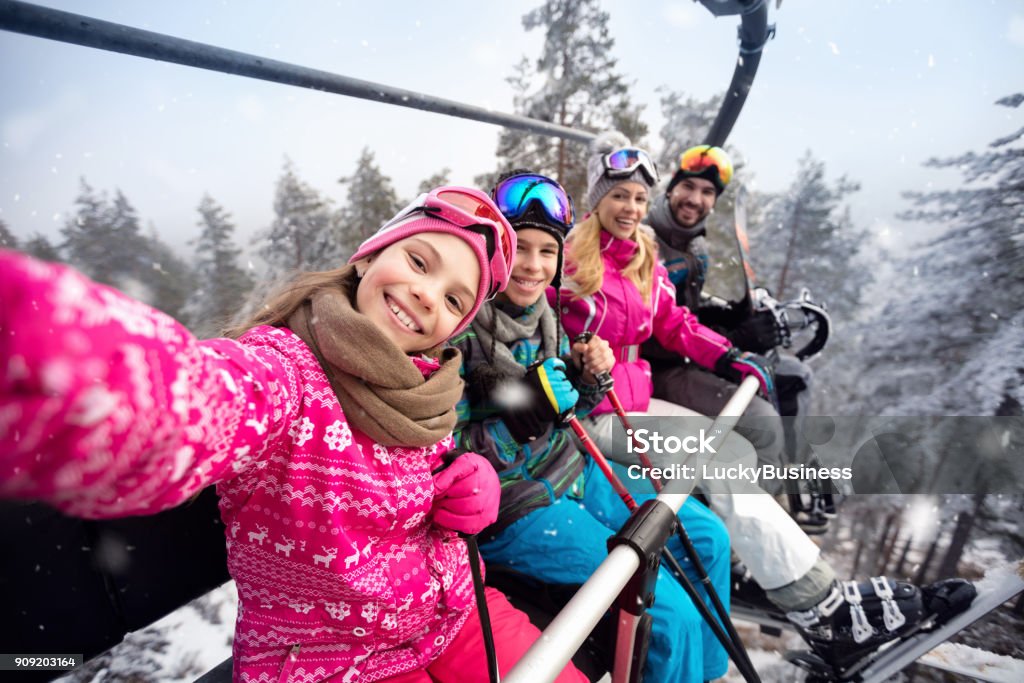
<point>43,22</point>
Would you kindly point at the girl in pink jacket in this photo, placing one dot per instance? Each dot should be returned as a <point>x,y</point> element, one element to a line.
<point>323,420</point>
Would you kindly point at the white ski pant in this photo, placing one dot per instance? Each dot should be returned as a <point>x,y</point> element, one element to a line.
<point>774,548</point>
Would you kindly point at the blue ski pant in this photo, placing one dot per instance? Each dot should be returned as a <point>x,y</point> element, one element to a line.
<point>565,542</point>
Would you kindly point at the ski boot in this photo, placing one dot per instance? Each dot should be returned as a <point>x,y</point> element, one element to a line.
<point>846,628</point>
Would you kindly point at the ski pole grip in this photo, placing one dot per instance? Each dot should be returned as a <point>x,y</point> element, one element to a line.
<point>604,380</point>
<point>584,336</point>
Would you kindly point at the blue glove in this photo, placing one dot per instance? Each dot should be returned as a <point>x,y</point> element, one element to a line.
<point>548,394</point>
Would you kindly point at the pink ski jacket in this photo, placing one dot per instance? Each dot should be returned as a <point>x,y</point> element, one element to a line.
<point>109,408</point>
<point>617,313</point>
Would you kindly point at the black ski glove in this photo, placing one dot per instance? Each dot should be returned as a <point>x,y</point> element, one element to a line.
<point>537,401</point>
<point>758,333</point>
<point>719,314</point>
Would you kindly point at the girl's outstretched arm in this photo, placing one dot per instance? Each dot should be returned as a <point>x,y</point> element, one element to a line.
<point>111,408</point>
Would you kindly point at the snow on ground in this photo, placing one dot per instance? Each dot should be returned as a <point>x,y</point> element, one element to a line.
<point>177,649</point>
<point>765,653</point>
<point>972,661</point>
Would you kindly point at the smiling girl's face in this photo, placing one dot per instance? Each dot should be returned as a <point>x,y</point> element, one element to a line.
<point>418,290</point>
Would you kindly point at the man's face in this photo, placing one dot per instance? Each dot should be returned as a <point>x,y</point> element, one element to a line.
<point>691,200</point>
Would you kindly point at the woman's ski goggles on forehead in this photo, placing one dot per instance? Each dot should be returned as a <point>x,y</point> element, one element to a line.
<point>514,197</point>
<point>624,162</point>
<point>473,210</point>
<point>702,157</point>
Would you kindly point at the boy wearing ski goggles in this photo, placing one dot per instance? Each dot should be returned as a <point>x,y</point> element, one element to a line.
<point>538,201</point>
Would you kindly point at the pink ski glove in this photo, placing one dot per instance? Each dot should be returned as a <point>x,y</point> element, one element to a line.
<point>466,494</point>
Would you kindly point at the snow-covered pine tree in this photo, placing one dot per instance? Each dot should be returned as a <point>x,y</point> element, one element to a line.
<point>165,274</point>
<point>953,342</point>
<point>123,223</point>
<point>41,248</point>
<point>371,202</point>
<point>573,83</point>
<point>687,121</point>
<point>7,238</point>
<point>303,234</point>
<point>103,239</point>
<point>219,284</point>
<point>91,243</point>
<point>438,179</point>
<point>806,238</point>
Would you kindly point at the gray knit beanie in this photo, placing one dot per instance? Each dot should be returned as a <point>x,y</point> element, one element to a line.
<point>599,184</point>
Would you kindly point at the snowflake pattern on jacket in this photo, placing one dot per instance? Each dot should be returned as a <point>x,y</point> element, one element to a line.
<point>110,408</point>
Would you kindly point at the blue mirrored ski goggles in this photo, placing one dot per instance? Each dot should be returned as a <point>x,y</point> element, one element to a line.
<point>516,195</point>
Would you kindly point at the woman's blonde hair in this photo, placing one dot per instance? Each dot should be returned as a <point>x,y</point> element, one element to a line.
<point>585,267</point>
<point>285,298</point>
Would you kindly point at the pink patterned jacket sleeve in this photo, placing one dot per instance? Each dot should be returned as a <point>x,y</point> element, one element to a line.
<point>110,408</point>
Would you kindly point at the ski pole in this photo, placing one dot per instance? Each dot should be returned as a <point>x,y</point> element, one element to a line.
<point>473,551</point>
<point>602,462</point>
<point>605,380</point>
<point>481,604</point>
<point>734,648</point>
<point>684,538</point>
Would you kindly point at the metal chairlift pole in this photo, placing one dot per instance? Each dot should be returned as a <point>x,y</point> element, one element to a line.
<point>43,22</point>
<point>754,34</point>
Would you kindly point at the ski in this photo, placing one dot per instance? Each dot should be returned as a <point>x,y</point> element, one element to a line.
<point>997,587</point>
<point>739,212</point>
<point>975,663</point>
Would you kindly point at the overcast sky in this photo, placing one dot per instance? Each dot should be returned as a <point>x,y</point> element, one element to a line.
<point>872,87</point>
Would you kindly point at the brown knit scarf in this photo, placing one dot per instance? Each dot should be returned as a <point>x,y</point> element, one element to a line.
<point>382,393</point>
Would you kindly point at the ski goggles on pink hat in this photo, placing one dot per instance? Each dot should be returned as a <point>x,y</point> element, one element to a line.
<point>625,162</point>
<point>515,196</point>
<point>464,208</point>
